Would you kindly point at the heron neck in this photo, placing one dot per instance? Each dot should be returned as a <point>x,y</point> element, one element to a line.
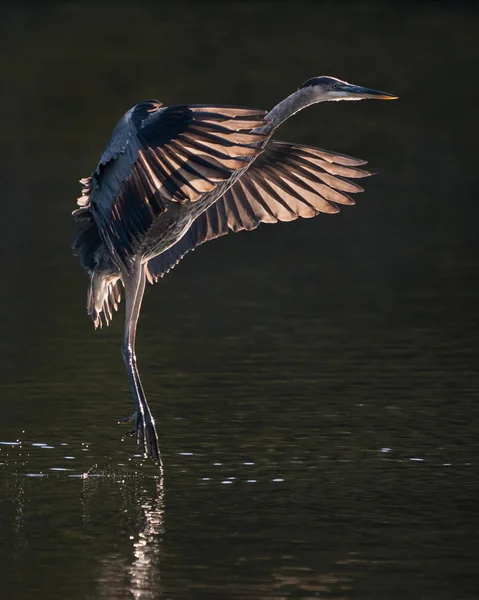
<point>289,106</point>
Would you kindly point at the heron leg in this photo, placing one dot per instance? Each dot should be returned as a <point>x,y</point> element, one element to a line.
<point>145,424</point>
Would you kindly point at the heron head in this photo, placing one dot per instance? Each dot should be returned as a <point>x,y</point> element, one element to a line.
<point>330,88</point>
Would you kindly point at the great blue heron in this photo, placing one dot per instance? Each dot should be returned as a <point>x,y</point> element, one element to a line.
<point>171,178</point>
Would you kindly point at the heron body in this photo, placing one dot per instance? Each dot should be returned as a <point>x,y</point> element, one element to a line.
<point>172,178</point>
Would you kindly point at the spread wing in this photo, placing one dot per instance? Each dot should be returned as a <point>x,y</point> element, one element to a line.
<point>161,155</point>
<point>285,182</point>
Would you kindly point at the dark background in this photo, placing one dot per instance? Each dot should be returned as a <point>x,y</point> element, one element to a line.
<point>325,369</point>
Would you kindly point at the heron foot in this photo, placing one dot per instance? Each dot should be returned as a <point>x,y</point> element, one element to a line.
<point>146,434</point>
<point>128,419</point>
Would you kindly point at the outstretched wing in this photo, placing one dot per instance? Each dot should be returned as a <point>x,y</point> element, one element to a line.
<point>285,182</point>
<point>161,155</point>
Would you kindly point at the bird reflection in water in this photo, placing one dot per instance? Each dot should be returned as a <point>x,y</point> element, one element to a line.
<point>145,568</point>
<point>142,578</point>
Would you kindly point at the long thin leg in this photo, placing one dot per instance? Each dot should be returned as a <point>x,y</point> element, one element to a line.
<point>145,424</point>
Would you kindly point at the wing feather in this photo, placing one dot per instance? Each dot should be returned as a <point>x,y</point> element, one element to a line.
<point>285,182</point>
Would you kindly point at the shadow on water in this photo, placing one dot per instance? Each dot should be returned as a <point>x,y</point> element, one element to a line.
<point>315,384</point>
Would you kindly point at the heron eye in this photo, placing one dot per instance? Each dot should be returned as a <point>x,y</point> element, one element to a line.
<point>335,86</point>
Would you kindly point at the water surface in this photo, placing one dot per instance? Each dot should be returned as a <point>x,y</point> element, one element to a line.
<point>315,384</point>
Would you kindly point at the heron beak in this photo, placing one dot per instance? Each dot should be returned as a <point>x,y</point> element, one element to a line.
<point>362,92</point>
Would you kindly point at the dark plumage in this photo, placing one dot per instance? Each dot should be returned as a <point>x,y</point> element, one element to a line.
<point>173,178</point>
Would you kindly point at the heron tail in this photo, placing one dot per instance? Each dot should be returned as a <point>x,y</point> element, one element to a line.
<point>104,292</point>
<point>104,295</point>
